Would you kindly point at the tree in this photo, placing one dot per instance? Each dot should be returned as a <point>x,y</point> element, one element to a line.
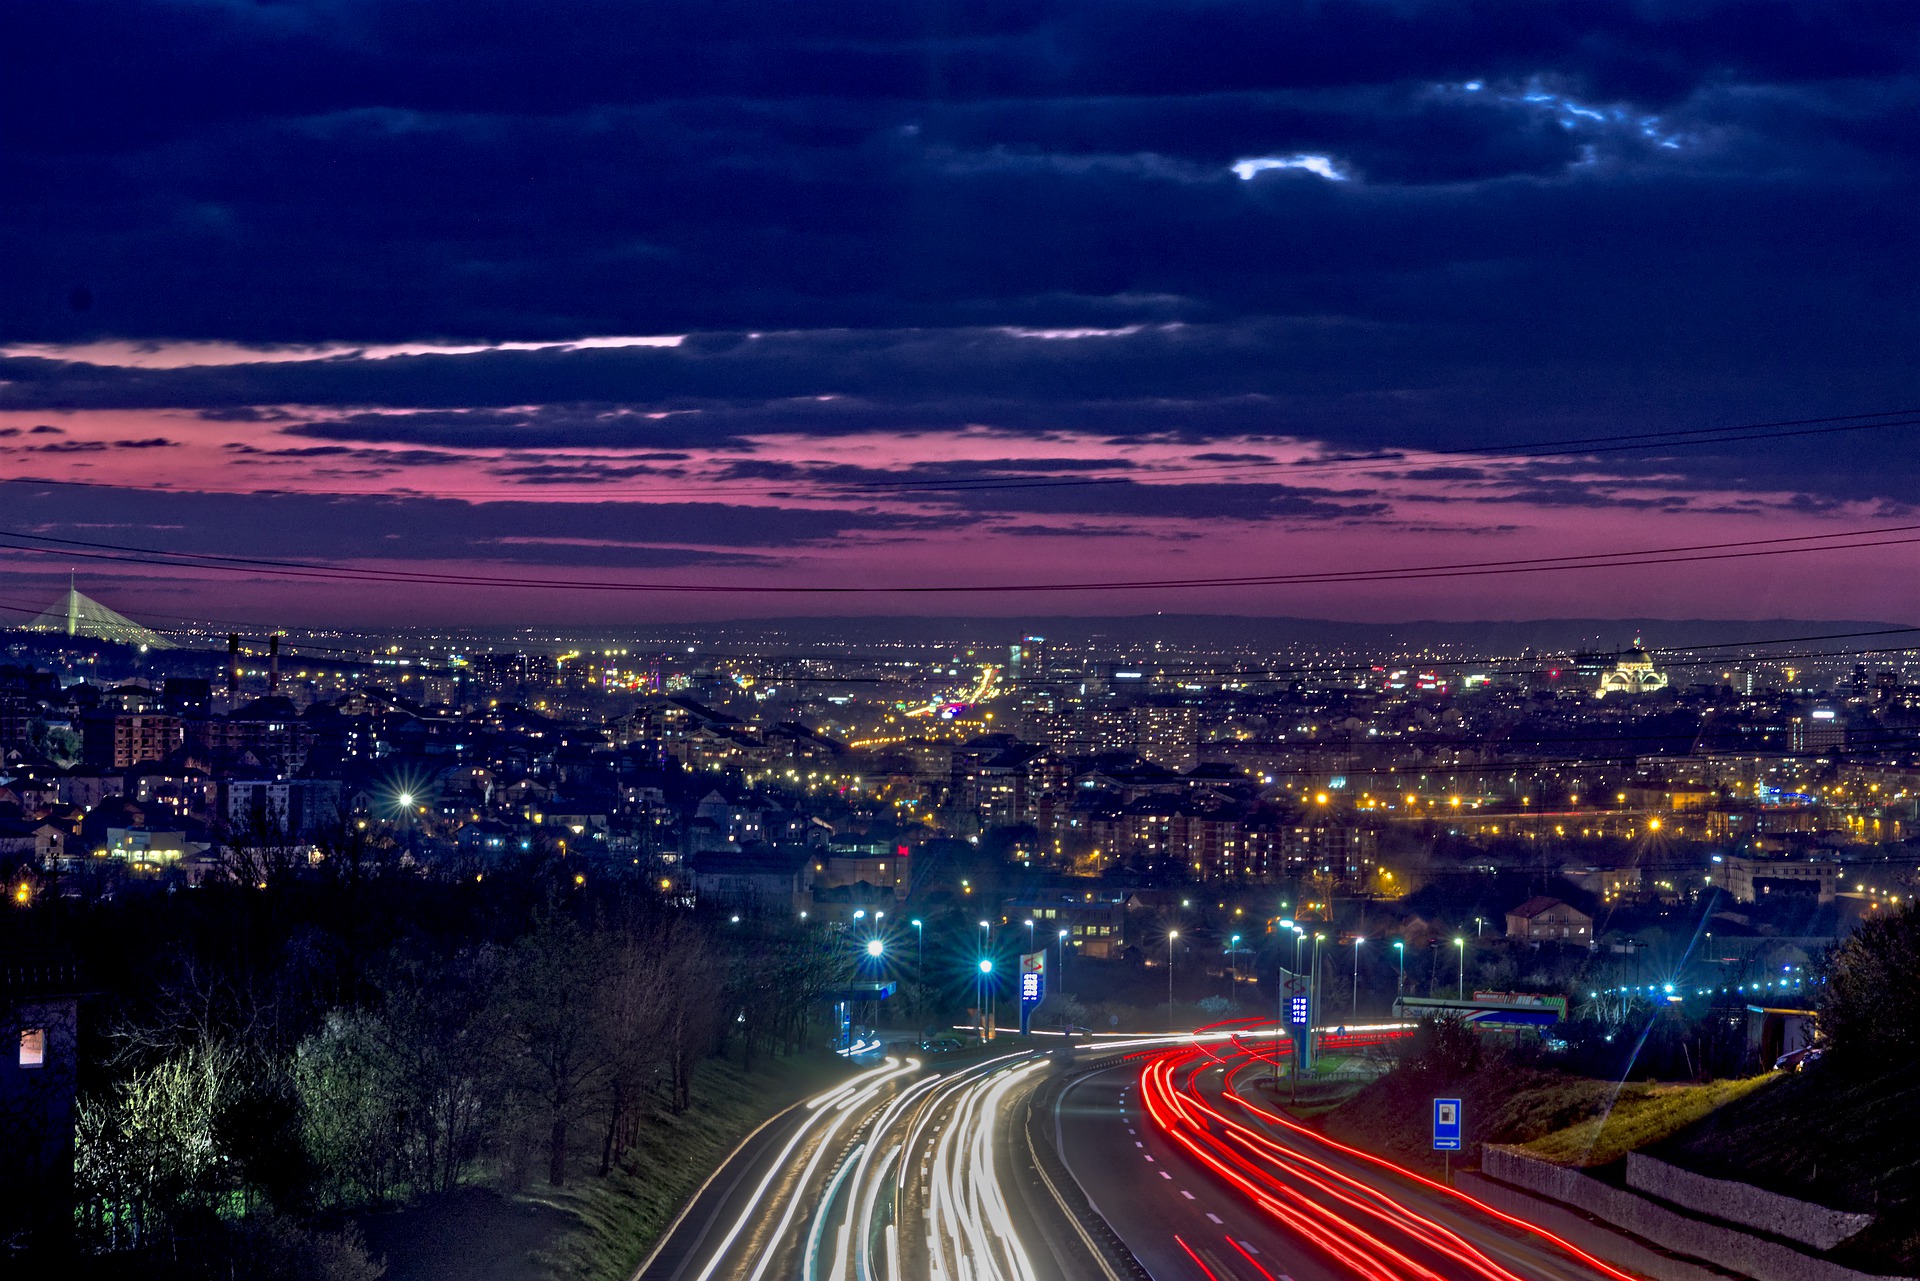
<point>634,1012</point>
<point>148,1152</point>
<point>1870,992</point>
<point>354,1096</point>
<point>559,1063</point>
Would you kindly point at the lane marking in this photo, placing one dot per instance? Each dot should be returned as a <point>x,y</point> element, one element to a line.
<point>1188,1195</point>
<point>1216,1218</point>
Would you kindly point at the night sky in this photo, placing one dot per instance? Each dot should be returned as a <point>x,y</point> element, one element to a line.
<point>771,294</point>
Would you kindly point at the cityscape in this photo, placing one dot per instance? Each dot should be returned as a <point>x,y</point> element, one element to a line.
<point>961,643</point>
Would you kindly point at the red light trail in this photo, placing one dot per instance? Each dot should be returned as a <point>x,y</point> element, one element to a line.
<point>1358,1225</point>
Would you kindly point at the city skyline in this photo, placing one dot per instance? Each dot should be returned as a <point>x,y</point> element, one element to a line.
<point>851,303</point>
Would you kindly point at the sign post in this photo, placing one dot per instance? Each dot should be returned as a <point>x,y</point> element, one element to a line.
<point>1300,1018</point>
<point>1446,1132</point>
<point>1033,985</point>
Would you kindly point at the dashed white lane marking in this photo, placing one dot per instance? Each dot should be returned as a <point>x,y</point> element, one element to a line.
<point>1165,1175</point>
<point>1248,1247</point>
<point>1214,1217</point>
<point>1188,1195</point>
<point>1138,1144</point>
<point>1149,1156</point>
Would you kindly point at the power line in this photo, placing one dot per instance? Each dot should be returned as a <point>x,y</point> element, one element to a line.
<point>1730,550</point>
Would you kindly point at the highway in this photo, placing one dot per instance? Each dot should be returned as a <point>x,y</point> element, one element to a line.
<point>904,1171</point>
<point>915,1172</point>
<point>1201,1181</point>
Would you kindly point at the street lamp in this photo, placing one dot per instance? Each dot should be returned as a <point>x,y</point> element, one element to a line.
<point>1314,986</point>
<point>1401,948</point>
<point>1462,945</point>
<point>1358,939</point>
<point>919,945</point>
<point>1029,934</point>
<point>980,986</point>
<point>1060,958</point>
<point>876,949</point>
<point>1233,959</point>
<point>1171,936</point>
<point>860,915</point>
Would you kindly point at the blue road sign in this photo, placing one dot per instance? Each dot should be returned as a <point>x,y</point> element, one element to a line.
<point>1446,1125</point>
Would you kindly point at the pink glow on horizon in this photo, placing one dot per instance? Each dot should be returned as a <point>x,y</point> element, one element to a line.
<point>1425,522</point>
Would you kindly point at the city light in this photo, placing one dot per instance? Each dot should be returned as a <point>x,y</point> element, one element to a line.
<point>875,947</point>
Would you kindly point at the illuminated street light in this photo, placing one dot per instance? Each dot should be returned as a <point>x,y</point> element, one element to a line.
<point>919,944</point>
<point>1462,945</point>
<point>1171,936</point>
<point>876,948</point>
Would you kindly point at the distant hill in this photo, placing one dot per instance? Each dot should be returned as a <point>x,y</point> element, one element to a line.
<point>1549,635</point>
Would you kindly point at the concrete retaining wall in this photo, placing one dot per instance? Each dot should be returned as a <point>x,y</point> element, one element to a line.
<point>1744,1204</point>
<point>1724,1247</point>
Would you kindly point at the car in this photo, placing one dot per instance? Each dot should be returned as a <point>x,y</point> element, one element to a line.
<point>942,1044</point>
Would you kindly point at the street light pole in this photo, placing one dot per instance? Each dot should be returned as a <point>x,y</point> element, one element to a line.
<point>1401,948</point>
<point>1461,943</point>
<point>919,947</point>
<point>1358,939</point>
<point>986,968</point>
<point>1233,963</point>
<point>1171,936</point>
<point>1029,934</point>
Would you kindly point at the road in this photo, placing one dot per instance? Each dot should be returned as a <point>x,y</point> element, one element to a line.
<point>906,1171</point>
<point>1202,1181</point>
<point>917,1172</point>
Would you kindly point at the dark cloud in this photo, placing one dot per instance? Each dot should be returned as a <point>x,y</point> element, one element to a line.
<point>89,446</point>
<point>425,528</point>
<point>1547,221</point>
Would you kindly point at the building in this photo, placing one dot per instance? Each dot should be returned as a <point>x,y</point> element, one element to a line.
<point>1548,920</point>
<point>761,879</point>
<point>122,740</point>
<point>1748,879</point>
<point>289,806</point>
<point>1632,673</point>
<point>1821,729</point>
<point>1095,927</point>
<point>39,1073</point>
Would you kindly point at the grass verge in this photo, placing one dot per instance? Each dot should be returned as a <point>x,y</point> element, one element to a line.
<point>617,1219</point>
<point>1641,1114</point>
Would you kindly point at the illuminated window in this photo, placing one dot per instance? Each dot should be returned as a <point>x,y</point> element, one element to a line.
<point>33,1047</point>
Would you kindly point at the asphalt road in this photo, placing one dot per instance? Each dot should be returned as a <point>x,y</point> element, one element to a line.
<point>1162,1203</point>
<point>1247,1197</point>
<point>910,1171</point>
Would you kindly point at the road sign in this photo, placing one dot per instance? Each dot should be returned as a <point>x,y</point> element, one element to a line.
<point>1446,1125</point>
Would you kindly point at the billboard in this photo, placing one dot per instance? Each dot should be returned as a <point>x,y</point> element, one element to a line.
<point>1033,977</point>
